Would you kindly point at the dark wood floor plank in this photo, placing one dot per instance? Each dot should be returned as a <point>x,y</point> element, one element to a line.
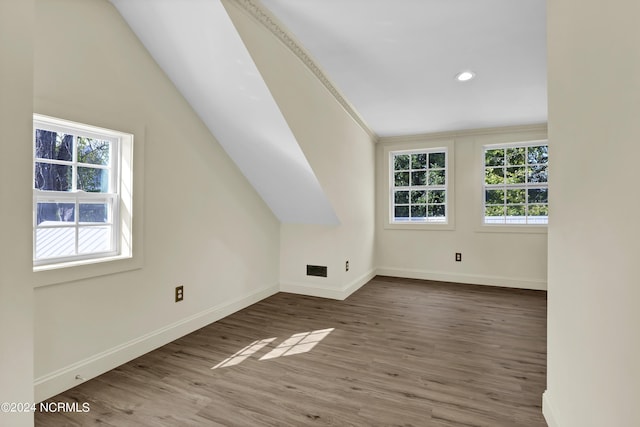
<point>401,352</point>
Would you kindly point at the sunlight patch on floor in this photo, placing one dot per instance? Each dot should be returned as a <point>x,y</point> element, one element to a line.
<point>295,344</point>
<point>241,355</point>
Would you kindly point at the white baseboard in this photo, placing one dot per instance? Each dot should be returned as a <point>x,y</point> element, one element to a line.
<point>63,379</point>
<point>326,292</point>
<point>475,279</point>
<point>547,410</point>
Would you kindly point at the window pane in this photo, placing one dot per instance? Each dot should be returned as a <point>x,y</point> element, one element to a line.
<point>538,155</point>
<point>55,242</point>
<point>436,211</point>
<point>494,157</point>
<point>419,178</point>
<point>53,177</point>
<point>516,156</point>
<point>94,239</point>
<point>418,211</point>
<point>436,196</point>
<point>494,175</point>
<point>402,197</point>
<point>401,162</point>
<point>52,145</point>
<point>494,197</point>
<point>94,212</point>
<point>402,212</point>
<point>537,174</point>
<point>437,160</point>
<point>93,151</point>
<point>515,210</point>
<point>538,195</point>
<point>437,177</point>
<point>516,215</point>
<point>419,161</point>
<point>516,196</point>
<point>93,180</point>
<point>50,213</point>
<point>419,196</point>
<point>538,210</point>
<point>401,179</point>
<point>494,215</point>
<point>516,175</point>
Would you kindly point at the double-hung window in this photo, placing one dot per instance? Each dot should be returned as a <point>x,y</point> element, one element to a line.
<point>419,185</point>
<point>77,192</point>
<point>516,189</point>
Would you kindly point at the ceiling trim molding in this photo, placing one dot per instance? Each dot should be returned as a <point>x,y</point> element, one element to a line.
<point>270,22</point>
<point>539,127</point>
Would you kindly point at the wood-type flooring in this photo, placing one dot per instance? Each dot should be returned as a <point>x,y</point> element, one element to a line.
<point>398,352</point>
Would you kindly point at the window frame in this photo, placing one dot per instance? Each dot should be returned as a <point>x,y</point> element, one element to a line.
<point>510,226</point>
<point>120,216</point>
<point>413,147</point>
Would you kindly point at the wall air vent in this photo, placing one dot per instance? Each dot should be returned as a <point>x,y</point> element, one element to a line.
<point>317,270</point>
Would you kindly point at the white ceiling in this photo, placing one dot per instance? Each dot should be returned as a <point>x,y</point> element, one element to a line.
<point>197,46</point>
<point>395,60</point>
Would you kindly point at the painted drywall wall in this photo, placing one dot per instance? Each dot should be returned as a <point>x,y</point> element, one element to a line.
<point>489,257</point>
<point>199,222</point>
<point>342,156</point>
<point>593,369</point>
<point>16,293</point>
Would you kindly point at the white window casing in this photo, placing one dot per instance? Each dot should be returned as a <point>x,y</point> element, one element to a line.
<point>82,194</point>
<point>515,184</point>
<point>420,185</point>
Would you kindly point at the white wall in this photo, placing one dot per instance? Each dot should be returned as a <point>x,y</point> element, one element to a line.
<point>512,259</point>
<point>341,155</point>
<point>16,294</point>
<point>593,364</point>
<point>197,220</point>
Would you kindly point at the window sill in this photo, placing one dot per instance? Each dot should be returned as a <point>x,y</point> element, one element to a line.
<point>420,226</point>
<point>47,275</point>
<point>525,229</point>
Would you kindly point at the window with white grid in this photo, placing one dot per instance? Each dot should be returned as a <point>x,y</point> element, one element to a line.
<point>418,186</point>
<point>76,191</point>
<point>516,189</point>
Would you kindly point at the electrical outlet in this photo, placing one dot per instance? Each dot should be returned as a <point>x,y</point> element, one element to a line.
<point>346,266</point>
<point>458,256</point>
<point>179,293</point>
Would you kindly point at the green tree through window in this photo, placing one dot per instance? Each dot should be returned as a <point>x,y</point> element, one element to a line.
<point>516,184</point>
<point>75,194</point>
<point>419,186</point>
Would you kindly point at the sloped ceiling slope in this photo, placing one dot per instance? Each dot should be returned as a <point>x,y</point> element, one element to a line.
<point>197,46</point>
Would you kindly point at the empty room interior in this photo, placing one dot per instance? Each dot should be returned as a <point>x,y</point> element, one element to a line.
<point>279,212</point>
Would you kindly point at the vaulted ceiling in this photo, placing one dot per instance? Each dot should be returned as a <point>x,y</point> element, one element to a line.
<point>390,63</point>
<point>197,46</point>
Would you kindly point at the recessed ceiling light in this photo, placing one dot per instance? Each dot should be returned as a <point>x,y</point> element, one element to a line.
<point>465,76</point>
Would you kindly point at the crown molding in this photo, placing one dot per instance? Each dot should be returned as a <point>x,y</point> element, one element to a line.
<point>540,127</point>
<point>261,14</point>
